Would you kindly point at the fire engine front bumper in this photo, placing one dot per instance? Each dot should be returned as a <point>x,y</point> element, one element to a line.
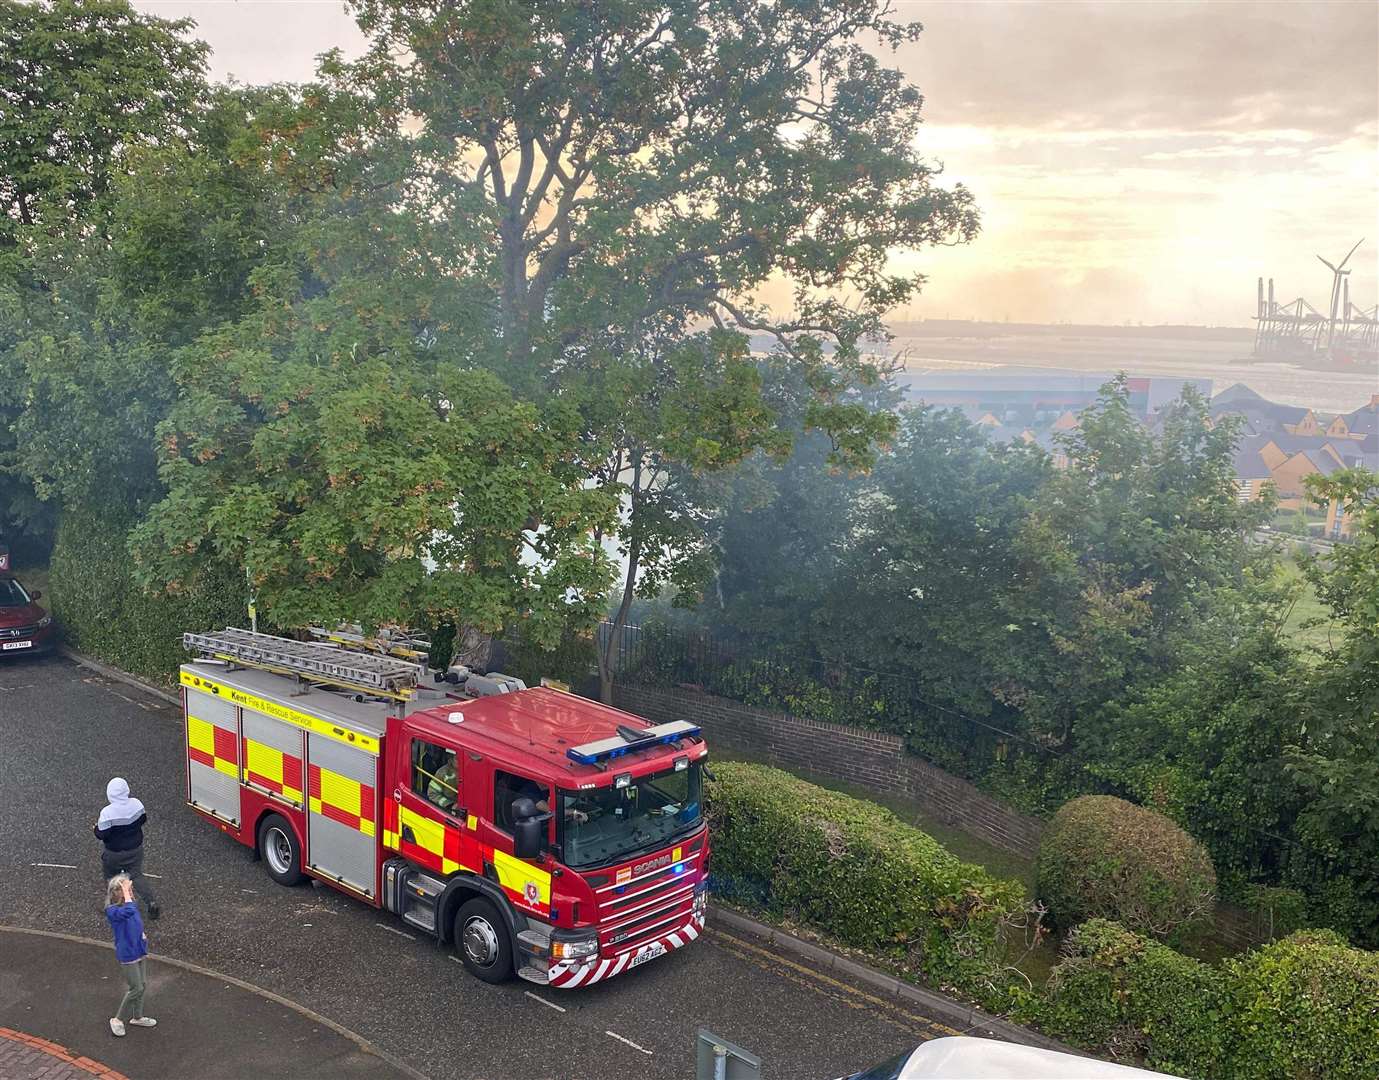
<point>572,974</point>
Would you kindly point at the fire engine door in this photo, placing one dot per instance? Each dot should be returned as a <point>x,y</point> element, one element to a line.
<point>342,813</point>
<point>432,816</point>
<point>213,755</point>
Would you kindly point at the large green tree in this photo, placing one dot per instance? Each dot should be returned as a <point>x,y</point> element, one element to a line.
<point>85,87</point>
<point>638,174</point>
<point>331,434</point>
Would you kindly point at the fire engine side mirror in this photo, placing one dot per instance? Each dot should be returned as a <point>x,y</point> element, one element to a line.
<point>528,829</point>
<point>527,839</point>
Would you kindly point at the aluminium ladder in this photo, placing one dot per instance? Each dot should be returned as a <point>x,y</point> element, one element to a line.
<point>368,672</point>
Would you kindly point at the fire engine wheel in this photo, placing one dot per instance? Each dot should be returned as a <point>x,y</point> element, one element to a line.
<point>482,942</point>
<point>282,855</point>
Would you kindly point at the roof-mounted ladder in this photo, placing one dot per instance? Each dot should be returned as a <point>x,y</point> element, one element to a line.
<point>369,673</point>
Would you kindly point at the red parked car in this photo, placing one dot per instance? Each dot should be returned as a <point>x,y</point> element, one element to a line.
<point>25,628</point>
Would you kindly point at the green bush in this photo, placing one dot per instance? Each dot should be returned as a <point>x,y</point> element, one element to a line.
<point>853,870</point>
<point>1103,857</point>
<point>1305,1008</point>
<point>1277,910</point>
<point>1122,995</point>
<point>104,613</point>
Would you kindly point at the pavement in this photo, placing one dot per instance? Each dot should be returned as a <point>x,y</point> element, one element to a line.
<point>207,1027</point>
<point>375,991</point>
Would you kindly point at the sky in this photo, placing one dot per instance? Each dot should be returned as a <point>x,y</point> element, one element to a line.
<point>1132,162</point>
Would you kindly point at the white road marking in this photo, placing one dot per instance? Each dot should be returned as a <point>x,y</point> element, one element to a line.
<point>158,876</point>
<point>53,865</point>
<point>548,1004</point>
<point>394,930</point>
<point>629,1042</point>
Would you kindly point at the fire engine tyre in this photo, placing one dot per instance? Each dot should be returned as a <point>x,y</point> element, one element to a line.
<point>482,942</point>
<point>282,854</point>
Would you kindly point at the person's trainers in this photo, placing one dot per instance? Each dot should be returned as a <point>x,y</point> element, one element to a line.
<point>144,1021</point>
<point>116,1026</point>
<point>154,911</point>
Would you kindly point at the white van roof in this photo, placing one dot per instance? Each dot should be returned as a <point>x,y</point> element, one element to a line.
<point>965,1058</point>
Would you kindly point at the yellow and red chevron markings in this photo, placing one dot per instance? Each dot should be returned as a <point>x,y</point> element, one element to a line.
<point>270,768</point>
<point>212,746</point>
<point>341,799</point>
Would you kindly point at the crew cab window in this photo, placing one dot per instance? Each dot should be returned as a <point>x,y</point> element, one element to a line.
<point>433,775</point>
<point>509,786</point>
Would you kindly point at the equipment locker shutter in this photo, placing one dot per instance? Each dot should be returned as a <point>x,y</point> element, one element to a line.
<point>342,812</point>
<point>213,755</point>
<point>273,756</point>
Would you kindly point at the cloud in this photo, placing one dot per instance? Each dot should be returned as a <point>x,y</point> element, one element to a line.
<point>1202,66</point>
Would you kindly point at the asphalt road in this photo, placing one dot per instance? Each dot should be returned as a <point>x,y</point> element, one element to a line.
<point>65,731</point>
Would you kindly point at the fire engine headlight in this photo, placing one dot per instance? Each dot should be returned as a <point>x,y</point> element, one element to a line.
<point>584,947</point>
<point>701,899</point>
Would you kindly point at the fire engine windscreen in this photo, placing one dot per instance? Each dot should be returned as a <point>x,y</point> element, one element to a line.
<point>608,824</point>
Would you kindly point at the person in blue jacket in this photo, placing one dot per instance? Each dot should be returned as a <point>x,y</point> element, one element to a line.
<point>131,946</point>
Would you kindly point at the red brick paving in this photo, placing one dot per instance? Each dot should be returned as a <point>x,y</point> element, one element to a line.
<point>27,1057</point>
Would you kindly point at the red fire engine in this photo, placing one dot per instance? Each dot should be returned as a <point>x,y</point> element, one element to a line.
<point>532,830</point>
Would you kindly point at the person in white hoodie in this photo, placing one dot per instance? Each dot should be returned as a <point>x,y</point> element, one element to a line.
<point>120,828</point>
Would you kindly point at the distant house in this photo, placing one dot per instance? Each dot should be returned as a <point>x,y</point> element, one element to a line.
<point>1252,470</point>
<point>1364,421</point>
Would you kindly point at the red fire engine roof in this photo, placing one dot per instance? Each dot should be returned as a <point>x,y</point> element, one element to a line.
<point>540,725</point>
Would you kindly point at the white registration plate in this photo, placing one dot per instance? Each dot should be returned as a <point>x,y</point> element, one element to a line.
<point>649,952</point>
<point>17,645</point>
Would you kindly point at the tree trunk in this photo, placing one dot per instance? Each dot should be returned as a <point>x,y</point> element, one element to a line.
<point>629,587</point>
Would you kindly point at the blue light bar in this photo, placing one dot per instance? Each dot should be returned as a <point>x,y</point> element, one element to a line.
<point>595,753</point>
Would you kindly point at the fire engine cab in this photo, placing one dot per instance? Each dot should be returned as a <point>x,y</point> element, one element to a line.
<point>534,831</point>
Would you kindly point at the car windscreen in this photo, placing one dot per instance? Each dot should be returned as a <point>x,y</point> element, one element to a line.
<point>606,824</point>
<point>12,594</point>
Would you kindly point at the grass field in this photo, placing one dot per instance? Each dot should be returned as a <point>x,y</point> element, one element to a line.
<point>1308,609</point>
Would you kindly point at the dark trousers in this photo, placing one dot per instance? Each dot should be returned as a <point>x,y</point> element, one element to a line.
<point>131,863</point>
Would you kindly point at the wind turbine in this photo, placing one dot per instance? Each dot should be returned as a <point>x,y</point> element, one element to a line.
<point>1338,276</point>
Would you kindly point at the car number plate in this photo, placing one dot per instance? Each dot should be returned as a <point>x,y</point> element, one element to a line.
<point>649,953</point>
<point>17,645</point>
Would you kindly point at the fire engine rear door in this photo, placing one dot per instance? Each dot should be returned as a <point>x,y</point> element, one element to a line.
<point>342,813</point>
<point>213,755</point>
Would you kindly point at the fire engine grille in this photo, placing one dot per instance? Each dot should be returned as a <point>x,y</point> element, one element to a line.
<point>649,908</point>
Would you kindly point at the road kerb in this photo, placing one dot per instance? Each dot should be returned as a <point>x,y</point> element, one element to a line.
<point>119,676</point>
<point>196,969</point>
<point>965,1018</point>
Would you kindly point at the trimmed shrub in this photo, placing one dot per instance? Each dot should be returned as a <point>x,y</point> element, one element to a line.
<point>1121,995</point>
<point>852,869</point>
<point>103,611</point>
<point>1103,857</point>
<point>1306,1007</point>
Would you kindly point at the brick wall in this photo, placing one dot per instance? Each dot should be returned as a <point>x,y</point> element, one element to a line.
<point>869,759</point>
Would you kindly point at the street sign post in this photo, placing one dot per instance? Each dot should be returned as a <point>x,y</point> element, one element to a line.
<point>718,1059</point>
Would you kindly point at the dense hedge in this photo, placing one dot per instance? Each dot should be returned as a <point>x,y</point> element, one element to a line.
<point>1304,1008</point>
<point>853,870</point>
<point>105,614</point>
<point>1123,995</point>
<point>1103,857</point>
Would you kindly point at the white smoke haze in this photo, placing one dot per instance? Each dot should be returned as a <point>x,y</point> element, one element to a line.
<point>1133,162</point>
